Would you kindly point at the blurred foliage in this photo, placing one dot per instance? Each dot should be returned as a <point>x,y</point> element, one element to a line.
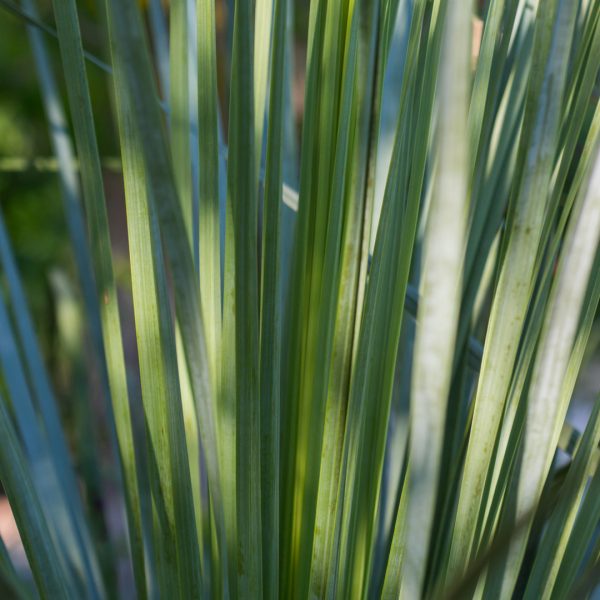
<point>30,199</point>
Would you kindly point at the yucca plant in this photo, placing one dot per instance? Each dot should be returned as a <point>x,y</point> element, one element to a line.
<point>351,385</point>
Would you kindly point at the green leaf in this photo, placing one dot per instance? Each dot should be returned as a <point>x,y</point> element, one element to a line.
<point>553,545</point>
<point>50,468</point>
<point>344,274</point>
<point>441,286</point>
<point>556,342</point>
<point>99,239</point>
<point>514,286</point>
<point>242,304</point>
<point>579,542</point>
<point>34,21</point>
<point>209,227</point>
<point>47,568</point>
<point>382,315</point>
<point>10,582</point>
<point>136,87</point>
<point>63,150</point>
<point>270,312</point>
<point>395,561</point>
<point>327,424</point>
<point>179,559</point>
<point>179,110</point>
<point>263,33</point>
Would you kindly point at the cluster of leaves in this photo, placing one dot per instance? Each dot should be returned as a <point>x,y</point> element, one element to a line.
<point>276,330</point>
